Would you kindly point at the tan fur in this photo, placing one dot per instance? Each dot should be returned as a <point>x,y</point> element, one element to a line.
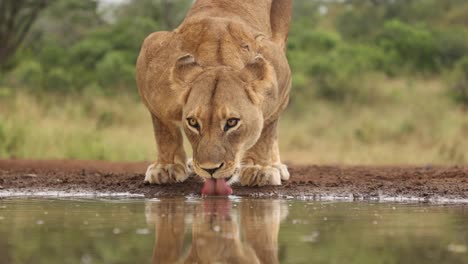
<point>226,60</point>
<point>219,235</point>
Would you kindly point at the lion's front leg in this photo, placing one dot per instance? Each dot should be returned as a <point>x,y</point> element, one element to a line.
<point>261,164</point>
<point>170,165</point>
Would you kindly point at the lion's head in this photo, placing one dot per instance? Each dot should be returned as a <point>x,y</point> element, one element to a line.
<point>222,111</point>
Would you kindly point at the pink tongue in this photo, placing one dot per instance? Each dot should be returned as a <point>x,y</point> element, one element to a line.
<point>209,188</point>
<point>216,187</point>
<point>222,188</point>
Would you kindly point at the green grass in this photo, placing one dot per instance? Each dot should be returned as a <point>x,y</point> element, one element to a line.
<point>76,127</point>
<point>412,122</point>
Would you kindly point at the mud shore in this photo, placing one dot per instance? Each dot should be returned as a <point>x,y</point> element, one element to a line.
<point>421,183</point>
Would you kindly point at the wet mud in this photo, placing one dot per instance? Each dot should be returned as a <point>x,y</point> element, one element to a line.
<point>307,181</point>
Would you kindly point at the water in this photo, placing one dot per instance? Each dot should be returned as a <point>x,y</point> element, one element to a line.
<point>230,231</point>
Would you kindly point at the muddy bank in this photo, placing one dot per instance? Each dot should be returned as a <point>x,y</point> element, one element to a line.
<point>349,182</point>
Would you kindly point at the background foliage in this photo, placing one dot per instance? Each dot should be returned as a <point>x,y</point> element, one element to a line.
<point>352,61</point>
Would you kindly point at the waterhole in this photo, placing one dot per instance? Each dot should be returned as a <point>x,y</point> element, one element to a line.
<point>183,230</point>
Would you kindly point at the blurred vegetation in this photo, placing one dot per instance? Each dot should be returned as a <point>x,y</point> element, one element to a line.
<point>87,44</point>
<point>16,18</point>
<point>346,43</point>
<point>333,45</point>
<point>407,58</point>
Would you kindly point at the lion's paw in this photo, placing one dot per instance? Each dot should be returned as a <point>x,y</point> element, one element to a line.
<point>283,169</point>
<point>257,175</point>
<point>161,174</point>
<point>190,166</point>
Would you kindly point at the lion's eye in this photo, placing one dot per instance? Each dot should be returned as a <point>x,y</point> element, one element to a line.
<point>230,123</point>
<point>193,122</point>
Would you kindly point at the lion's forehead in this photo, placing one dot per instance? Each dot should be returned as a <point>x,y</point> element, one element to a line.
<point>218,93</point>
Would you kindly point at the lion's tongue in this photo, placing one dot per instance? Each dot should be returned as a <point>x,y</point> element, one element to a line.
<point>216,187</point>
<point>209,188</point>
<point>222,188</point>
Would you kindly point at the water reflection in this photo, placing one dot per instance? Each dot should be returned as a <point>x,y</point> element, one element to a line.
<point>215,231</point>
<point>44,231</point>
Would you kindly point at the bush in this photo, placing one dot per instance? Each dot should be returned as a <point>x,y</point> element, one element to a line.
<point>88,52</point>
<point>335,81</point>
<point>451,44</point>
<point>412,45</point>
<point>353,24</point>
<point>325,66</point>
<point>50,54</point>
<point>28,73</point>
<point>338,76</point>
<point>459,82</point>
<point>314,41</point>
<point>128,34</point>
<point>58,80</point>
<point>113,70</point>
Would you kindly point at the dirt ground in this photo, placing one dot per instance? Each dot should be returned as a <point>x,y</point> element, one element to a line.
<point>357,182</point>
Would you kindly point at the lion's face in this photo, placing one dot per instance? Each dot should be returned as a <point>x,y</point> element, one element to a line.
<point>220,123</point>
<point>222,115</point>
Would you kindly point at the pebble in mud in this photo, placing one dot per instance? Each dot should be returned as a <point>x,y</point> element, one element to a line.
<point>30,175</point>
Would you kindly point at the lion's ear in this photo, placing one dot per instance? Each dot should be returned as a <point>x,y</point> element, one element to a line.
<point>185,69</point>
<point>261,78</point>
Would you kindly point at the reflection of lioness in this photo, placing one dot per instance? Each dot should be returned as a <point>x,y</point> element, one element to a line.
<point>216,236</point>
<point>223,77</point>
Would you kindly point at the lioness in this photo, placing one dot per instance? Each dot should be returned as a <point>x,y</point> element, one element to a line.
<point>220,233</point>
<point>222,76</point>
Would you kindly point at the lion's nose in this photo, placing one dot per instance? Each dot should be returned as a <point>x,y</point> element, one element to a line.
<point>212,169</point>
